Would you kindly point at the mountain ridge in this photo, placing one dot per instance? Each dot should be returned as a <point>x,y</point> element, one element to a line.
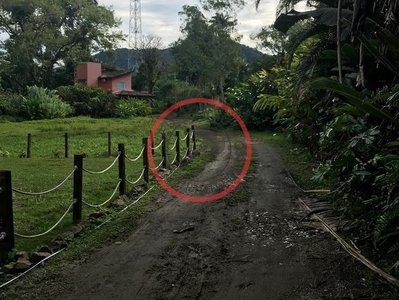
<point>119,59</point>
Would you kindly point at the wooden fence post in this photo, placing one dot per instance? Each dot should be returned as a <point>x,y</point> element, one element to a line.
<point>29,146</point>
<point>77,187</point>
<point>164,156</point>
<point>66,144</point>
<point>6,215</point>
<point>194,141</point>
<point>109,144</point>
<point>122,169</point>
<point>188,142</point>
<point>152,142</point>
<point>178,146</point>
<point>145,160</point>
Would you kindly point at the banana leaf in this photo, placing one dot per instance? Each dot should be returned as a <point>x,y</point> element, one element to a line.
<point>359,100</point>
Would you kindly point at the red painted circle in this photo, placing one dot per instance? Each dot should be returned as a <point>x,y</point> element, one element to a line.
<point>247,158</point>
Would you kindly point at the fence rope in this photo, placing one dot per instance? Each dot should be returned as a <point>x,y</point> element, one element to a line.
<point>106,201</point>
<point>31,268</point>
<point>155,148</point>
<point>174,145</point>
<point>186,154</point>
<point>50,190</point>
<point>183,139</point>
<point>137,200</point>
<point>47,231</point>
<point>135,159</point>
<point>134,182</point>
<point>160,164</point>
<point>174,159</point>
<point>106,169</point>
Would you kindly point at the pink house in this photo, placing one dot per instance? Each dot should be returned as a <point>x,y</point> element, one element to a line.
<point>93,74</point>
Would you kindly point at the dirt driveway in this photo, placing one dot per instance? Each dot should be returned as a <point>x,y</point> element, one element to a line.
<point>246,246</point>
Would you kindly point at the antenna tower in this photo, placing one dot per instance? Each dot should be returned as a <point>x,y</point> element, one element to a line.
<point>134,30</point>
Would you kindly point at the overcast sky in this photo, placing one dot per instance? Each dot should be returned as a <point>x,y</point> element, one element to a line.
<point>160,17</point>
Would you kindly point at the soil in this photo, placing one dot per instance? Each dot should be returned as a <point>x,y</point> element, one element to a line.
<point>248,245</point>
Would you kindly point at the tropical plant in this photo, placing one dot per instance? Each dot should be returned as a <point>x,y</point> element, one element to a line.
<point>89,101</point>
<point>339,95</point>
<point>132,107</point>
<point>41,103</point>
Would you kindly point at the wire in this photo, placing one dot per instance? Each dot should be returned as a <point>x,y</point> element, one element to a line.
<point>48,191</point>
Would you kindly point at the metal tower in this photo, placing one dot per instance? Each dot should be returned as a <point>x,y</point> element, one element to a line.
<point>134,29</point>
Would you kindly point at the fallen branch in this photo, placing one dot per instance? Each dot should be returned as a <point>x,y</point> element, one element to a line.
<point>314,211</point>
<point>352,251</point>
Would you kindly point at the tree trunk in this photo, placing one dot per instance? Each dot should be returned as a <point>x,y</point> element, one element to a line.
<point>339,41</point>
<point>361,64</point>
<point>221,86</point>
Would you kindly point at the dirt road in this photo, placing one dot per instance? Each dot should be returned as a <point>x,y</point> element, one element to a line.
<point>247,246</point>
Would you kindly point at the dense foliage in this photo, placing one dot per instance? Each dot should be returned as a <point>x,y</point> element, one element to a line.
<point>41,103</point>
<point>132,108</point>
<point>42,35</point>
<point>89,101</point>
<point>341,100</point>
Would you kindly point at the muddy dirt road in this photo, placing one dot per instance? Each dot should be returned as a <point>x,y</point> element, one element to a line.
<point>247,246</point>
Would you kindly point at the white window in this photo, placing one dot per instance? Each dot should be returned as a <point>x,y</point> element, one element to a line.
<point>121,85</point>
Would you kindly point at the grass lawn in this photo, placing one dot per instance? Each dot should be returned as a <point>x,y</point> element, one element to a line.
<point>47,166</point>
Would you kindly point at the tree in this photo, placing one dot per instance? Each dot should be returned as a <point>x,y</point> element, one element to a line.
<point>44,34</point>
<point>208,54</point>
<point>271,39</point>
<point>151,66</point>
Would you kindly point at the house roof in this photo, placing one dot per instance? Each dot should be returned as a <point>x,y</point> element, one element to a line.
<point>133,93</point>
<point>113,74</point>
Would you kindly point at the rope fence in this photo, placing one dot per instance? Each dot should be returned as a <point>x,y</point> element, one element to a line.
<point>106,169</point>
<point>159,145</point>
<point>48,191</point>
<point>51,228</point>
<point>138,179</point>
<point>7,232</point>
<point>174,145</point>
<point>137,158</point>
<point>106,201</point>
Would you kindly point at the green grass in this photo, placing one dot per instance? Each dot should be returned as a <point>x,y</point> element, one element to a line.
<point>86,135</point>
<point>35,214</point>
<point>95,238</point>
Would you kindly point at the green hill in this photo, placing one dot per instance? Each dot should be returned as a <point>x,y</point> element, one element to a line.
<point>119,58</point>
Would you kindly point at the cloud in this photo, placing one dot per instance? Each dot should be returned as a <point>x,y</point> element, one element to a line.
<point>161,18</point>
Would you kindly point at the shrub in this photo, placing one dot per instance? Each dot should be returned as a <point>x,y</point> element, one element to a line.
<point>133,107</point>
<point>243,97</point>
<point>89,101</point>
<point>11,105</point>
<point>41,103</point>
